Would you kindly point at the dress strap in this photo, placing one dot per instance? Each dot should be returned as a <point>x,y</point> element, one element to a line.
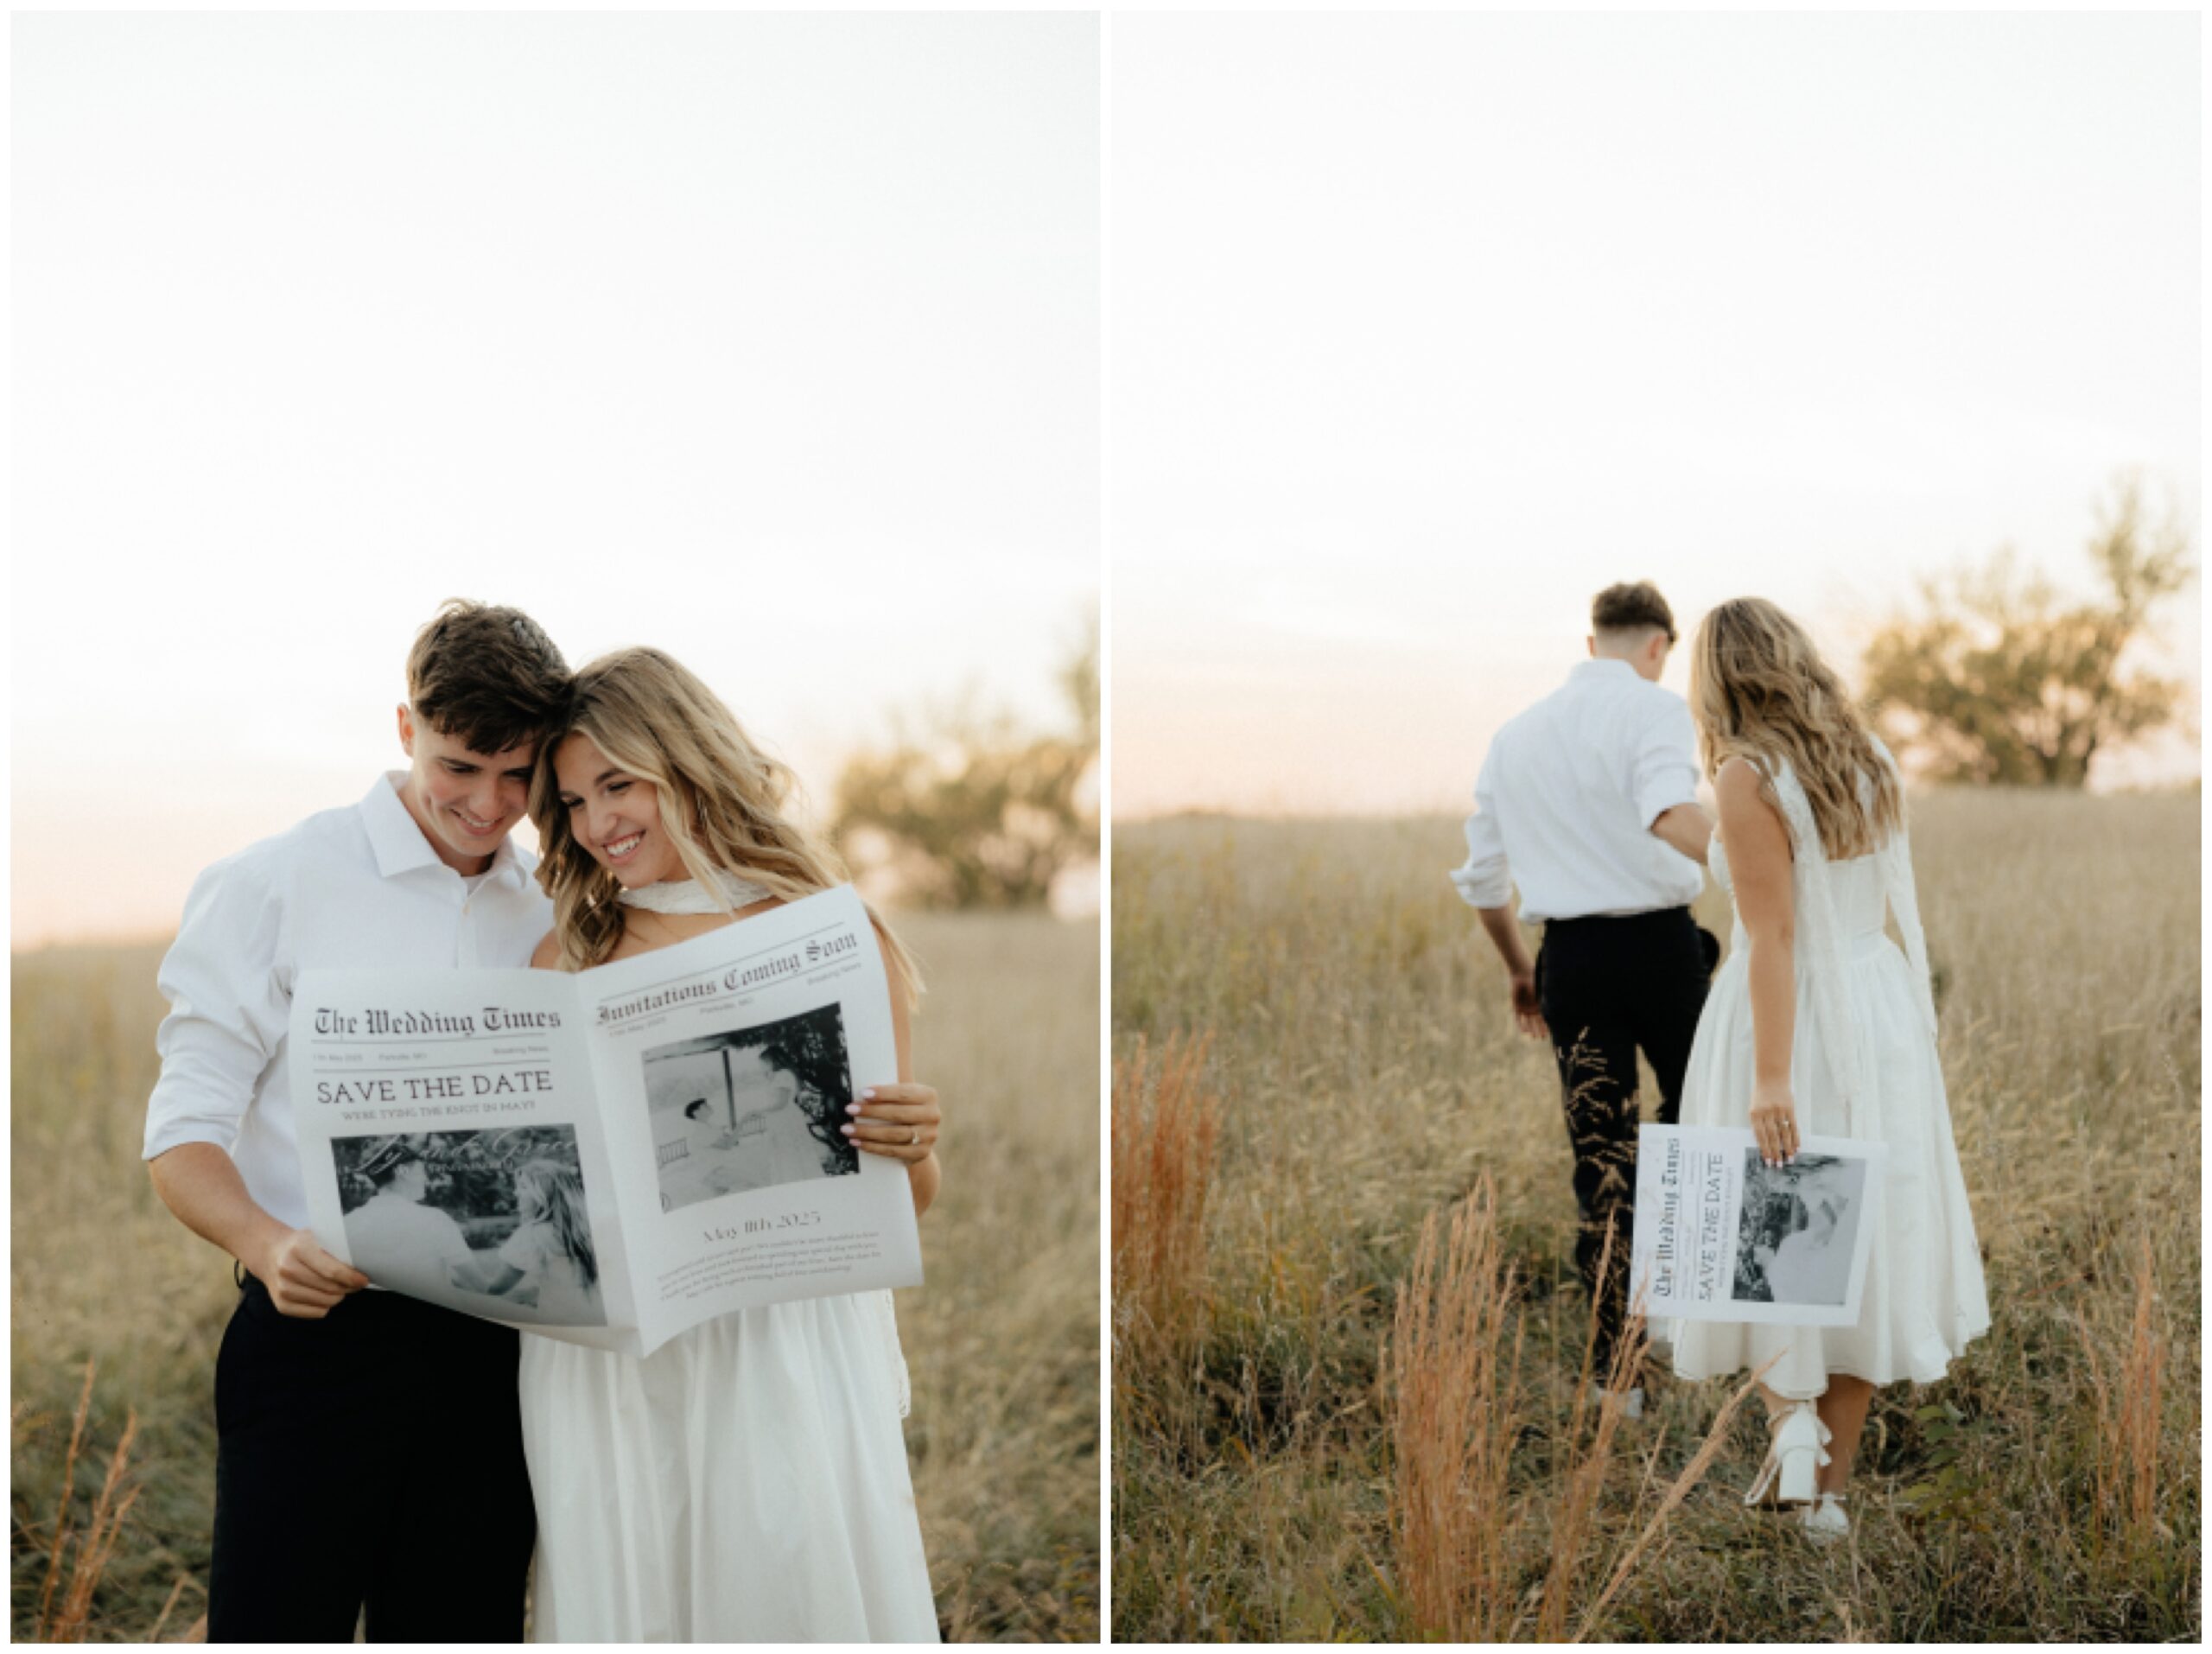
<point>1903,897</point>
<point>1820,934</point>
<point>1904,902</point>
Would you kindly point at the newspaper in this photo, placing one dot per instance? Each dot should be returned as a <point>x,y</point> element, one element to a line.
<point>615,1155</point>
<point>1720,1236</point>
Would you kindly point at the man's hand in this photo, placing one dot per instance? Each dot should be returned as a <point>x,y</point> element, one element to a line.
<point>1504,932</point>
<point>1527,1015</point>
<point>199,1182</point>
<point>303,1279</point>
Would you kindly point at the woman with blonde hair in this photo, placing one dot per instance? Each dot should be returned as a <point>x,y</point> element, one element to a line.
<point>1818,1025</point>
<point>552,1246</point>
<point>747,1481</point>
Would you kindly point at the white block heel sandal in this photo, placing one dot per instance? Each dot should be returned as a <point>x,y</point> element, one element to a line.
<point>1795,1451</point>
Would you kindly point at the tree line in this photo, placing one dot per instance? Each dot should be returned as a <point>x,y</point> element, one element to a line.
<point>1993,673</point>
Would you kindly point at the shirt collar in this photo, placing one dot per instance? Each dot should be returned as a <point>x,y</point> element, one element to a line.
<point>1601,666</point>
<point>400,845</point>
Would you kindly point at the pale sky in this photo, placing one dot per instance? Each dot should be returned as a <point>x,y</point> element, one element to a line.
<point>1423,328</point>
<point>771,339</point>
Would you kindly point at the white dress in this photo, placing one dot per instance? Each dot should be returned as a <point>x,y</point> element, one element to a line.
<point>1863,1064</point>
<point>553,1280</point>
<point>745,1482</point>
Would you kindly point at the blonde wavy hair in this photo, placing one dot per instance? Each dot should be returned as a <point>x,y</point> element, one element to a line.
<point>1760,691</point>
<point>551,1193</point>
<point>722,801</point>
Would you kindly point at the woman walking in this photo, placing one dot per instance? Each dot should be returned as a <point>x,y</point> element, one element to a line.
<point>1818,1025</point>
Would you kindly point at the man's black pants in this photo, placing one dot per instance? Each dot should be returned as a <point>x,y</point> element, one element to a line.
<point>1609,986</point>
<point>371,1459</point>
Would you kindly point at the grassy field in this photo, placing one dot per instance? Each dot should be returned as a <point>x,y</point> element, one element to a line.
<point>1363,1078</point>
<point>1002,1342</point>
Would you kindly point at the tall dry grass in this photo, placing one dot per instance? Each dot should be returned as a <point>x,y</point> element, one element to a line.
<point>1357,1018</point>
<point>1166,1133</point>
<point>1454,1367</point>
<point>1002,1341</point>
<point>1457,1414</point>
<point>1577,1502</point>
<point>2129,1404</point>
<point>80,1550</point>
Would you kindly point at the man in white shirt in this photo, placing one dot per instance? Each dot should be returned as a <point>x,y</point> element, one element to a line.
<point>1588,802</point>
<point>413,1246</point>
<point>330,1400</point>
<point>702,1172</point>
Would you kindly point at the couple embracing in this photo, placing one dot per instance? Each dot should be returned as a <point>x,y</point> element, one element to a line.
<point>1817,1025</point>
<point>377,1454</point>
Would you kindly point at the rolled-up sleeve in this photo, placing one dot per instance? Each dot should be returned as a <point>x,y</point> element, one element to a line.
<point>1484,879</point>
<point>1666,761</point>
<point>228,1008</point>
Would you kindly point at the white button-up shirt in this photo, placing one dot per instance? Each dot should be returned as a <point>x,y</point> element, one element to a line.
<point>1567,794</point>
<point>352,888</point>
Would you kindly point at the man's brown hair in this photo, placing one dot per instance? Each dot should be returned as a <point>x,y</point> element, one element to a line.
<point>1629,606</point>
<point>488,677</point>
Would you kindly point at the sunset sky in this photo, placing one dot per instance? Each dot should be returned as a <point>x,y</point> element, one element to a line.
<point>1423,328</point>
<point>769,339</point>
<point>775,340</point>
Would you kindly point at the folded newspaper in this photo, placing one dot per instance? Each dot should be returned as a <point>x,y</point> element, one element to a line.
<point>1722,1237</point>
<point>615,1155</point>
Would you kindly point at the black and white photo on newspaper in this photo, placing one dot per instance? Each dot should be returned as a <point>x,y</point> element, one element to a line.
<point>615,1155</point>
<point>750,1108</point>
<point>1722,1236</point>
<point>496,1215</point>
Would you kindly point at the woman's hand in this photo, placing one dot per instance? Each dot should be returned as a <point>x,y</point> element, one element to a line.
<point>1774,1121</point>
<point>900,1122</point>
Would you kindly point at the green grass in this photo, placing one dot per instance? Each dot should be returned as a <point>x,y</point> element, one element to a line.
<point>1002,1341</point>
<point>1369,1075</point>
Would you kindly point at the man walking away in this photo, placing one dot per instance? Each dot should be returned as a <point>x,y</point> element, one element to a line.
<point>1587,802</point>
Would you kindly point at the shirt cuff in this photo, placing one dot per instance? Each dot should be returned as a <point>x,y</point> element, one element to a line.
<point>1666,793</point>
<point>177,1133</point>
<point>1484,886</point>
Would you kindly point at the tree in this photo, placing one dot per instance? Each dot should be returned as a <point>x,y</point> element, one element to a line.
<point>2000,676</point>
<point>969,811</point>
